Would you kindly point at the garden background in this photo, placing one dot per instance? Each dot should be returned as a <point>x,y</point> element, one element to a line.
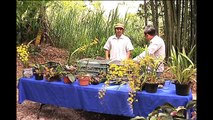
<point>58,28</point>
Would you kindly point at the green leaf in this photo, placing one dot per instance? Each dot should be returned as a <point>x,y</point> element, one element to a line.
<point>71,77</point>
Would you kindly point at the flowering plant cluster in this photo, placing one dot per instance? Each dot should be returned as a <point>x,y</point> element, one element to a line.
<point>23,54</point>
<point>84,47</point>
<point>115,74</point>
<point>136,74</point>
<point>149,65</point>
<point>127,72</point>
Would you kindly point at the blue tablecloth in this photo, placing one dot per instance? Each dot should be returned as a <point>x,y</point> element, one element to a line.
<point>86,97</point>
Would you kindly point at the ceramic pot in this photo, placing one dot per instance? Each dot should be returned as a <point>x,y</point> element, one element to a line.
<point>84,80</point>
<point>67,80</point>
<point>27,72</point>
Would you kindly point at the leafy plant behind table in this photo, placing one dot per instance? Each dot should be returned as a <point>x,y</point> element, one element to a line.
<point>137,50</point>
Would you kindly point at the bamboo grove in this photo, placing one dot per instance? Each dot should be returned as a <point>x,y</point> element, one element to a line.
<point>176,20</point>
<point>71,24</point>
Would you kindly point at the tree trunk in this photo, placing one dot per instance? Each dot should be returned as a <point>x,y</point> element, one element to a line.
<point>156,17</point>
<point>153,13</point>
<point>145,11</point>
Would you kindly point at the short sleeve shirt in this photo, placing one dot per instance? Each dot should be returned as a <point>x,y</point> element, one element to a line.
<point>157,49</point>
<point>118,47</point>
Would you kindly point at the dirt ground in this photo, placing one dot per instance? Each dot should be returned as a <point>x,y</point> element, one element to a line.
<point>28,110</point>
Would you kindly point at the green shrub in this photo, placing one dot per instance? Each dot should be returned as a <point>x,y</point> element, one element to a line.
<point>137,51</point>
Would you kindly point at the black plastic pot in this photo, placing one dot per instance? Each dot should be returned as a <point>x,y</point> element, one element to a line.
<point>182,89</point>
<point>38,76</point>
<point>151,87</point>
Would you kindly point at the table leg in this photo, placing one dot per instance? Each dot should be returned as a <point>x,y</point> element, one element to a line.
<point>39,110</point>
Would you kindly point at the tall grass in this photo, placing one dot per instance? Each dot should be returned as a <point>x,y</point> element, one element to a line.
<point>76,26</point>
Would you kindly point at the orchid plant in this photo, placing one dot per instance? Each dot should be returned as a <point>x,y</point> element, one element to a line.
<point>23,53</point>
<point>181,66</point>
<point>80,49</point>
<point>134,73</point>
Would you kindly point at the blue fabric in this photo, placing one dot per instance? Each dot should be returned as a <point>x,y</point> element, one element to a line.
<point>147,102</point>
<point>86,97</point>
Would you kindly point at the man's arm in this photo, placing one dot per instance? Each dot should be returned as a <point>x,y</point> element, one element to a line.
<point>151,50</point>
<point>139,57</point>
<point>128,55</point>
<point>107,54</point>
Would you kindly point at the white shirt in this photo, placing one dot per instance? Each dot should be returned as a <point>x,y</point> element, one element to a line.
<point>157,49</point>
<point>118,47</point>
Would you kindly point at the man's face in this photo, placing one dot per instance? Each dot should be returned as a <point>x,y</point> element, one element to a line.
<point>119,31</point>
<point>147,36</point>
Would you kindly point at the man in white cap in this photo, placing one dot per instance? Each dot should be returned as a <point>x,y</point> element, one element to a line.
<point>118,46</point>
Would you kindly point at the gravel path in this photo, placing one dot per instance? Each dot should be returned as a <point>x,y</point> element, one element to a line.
<point>29,110</point>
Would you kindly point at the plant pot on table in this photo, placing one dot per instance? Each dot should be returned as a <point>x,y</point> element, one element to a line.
<point>161,83</point>
<point>27,72</point>
<point>53,78</point>
<point>151,87</point>
<point>182,89</point>
<point>84,80</point>
<point>69,78</point>
<point>38,76</point>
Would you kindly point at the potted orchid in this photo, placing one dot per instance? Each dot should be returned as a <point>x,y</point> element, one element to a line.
<point>23,55</point>
<point>135,74</point>
<point>183,70</point>
<point>149,66</point>
<point>127,72</point>
<point>54,72</point>
<point>39,70</point>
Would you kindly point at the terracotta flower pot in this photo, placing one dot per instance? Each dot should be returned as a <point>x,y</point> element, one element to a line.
<point>84,80</point>
<point>67,80</point>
